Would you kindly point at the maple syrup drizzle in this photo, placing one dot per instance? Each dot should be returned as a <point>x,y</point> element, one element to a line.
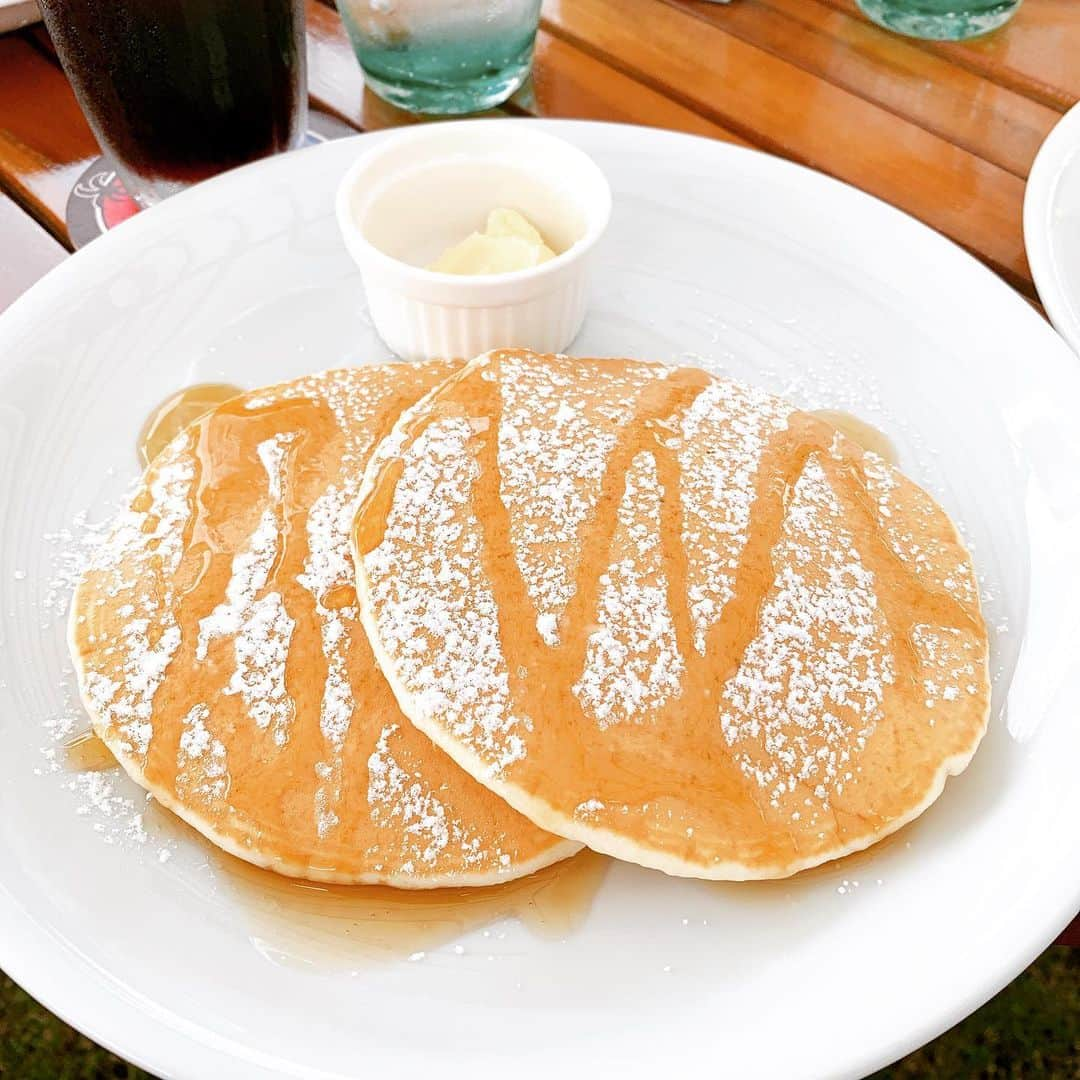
<point>239,428</point>
<point>175,413</point>
<point>343,926</point>
<point>659,410</point>
<point>321,926</point>
<point>858,863</point>
<point>904,598</point>
<point>860,432</point>
<point>315,924</point>
<point>326,926</point>
<point>204,552</point>
<point>318,924</point>
<point>87,753</point>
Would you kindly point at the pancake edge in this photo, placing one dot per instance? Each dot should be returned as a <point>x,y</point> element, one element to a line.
<point>605,841</point>
<point>285,867</point>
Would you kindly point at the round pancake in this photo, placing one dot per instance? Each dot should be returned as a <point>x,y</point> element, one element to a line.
<point>220,656</point>
<point>668,615</point>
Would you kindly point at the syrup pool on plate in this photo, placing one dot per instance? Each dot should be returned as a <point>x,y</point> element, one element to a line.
<point>312,924</point>
<point>859,431</point>
<point>175,413</point>
<point>87,753</point>
<point>317,925</point>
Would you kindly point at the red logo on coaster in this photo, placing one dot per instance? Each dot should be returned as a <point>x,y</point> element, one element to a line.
<point>99,201</point>
<point>105,203</point>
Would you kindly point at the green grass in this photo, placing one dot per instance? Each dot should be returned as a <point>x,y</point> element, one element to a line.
<point>34,1045</point>
<point>1031,1029</point>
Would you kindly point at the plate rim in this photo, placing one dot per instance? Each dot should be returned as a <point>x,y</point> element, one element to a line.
<point>1039,194</point>
<point>149,1043</point>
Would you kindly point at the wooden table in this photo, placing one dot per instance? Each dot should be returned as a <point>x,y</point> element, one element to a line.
<point>947,132</point>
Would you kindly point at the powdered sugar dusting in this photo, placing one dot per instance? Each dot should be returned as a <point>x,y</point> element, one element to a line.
<point>806,651</point>
<point>262,651</point>
<point>74,549</point>
<point>810,688</point>
<point>400,799</point>
<point>930,551</point>
<point>724,433</point>
<point>329,566</point>
<point>552,457</point>
<point>260,627</point>
<point>118,816</point>
<point>148,542</point>
<point>265,620</point>
<point>272,455</point>
<point>202,771</point>
<point>251,565</point>
<point>435,612</point>
<point>632,663</point>
<point>328,569</point>
<point>112,805</point>
<point>949,661</point>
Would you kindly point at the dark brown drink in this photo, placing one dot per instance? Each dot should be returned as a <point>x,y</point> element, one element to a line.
<point>177,90</point>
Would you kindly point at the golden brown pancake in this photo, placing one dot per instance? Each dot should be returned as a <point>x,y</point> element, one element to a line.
<point>668,615</point>
<point>220,656</point>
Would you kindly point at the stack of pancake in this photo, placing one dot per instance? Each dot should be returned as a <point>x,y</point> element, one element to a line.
<point>444,624</point>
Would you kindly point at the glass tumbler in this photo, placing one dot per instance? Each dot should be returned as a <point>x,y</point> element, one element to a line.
<point>178,90</point>
<point>940,20</point>
<point>443,56</point>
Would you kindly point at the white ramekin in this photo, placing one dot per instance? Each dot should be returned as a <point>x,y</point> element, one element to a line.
<point>423,189</point>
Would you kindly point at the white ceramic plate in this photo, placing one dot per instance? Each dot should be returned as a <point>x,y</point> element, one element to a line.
<point>767,270</point>
<point>1052,225</point>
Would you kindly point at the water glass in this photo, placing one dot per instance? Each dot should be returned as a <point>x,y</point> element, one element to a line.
<point>443,56</point>
<point>940,20</point>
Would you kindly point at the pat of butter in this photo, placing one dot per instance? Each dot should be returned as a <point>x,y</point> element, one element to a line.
<point>509,242</point>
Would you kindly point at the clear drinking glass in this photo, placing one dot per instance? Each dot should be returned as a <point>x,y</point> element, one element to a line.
<point>443,56</point>
<point>940,20</point>
<point>178,90</point>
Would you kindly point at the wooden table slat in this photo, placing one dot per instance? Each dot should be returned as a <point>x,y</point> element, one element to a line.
<point>972,112</point>
<point>1035,54</point>
<point>45,143</point>
<point>786,109</point>
<point>567,82</point>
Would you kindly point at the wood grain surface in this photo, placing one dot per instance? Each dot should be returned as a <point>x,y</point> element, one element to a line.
<point>946,132</point>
